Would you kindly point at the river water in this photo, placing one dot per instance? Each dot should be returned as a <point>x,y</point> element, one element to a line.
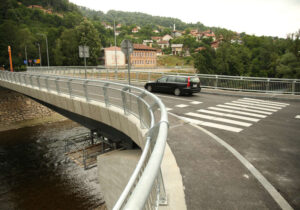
<point>34,172</point>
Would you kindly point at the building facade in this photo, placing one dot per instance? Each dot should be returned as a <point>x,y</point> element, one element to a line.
<point>143,56</point>
<point>114,55</point>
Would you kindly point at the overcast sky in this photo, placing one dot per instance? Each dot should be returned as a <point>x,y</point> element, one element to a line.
<point>259,17</point>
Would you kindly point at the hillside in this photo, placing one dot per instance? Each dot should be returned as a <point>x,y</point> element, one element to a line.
<point>24,24</point>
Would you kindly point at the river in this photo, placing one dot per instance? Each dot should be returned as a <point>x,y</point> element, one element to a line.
<point>34,172</point>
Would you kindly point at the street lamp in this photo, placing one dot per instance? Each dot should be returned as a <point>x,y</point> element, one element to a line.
<point>38,44</point>
<point>46,46</point>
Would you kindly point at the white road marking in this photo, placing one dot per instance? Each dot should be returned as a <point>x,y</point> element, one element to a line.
<point>261,102</point>
<point>196,102</point>
<point>297,117</point>
<point>218,119</point>
<point>181,105</point>
<point>175,98</point>
<point>169,109</point>
<point>264,182</point>
<point>238,112</point>
<point>252,107</point>
<point>212,125</point>
<point>257,105</point>
<point>244,109</point>
<point>271,102</point>
<point>228,115</point>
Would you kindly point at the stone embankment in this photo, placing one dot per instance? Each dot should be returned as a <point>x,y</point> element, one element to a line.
<point>17,110</point>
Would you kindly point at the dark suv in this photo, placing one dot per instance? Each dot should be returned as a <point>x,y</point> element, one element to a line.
<point>178,85</point>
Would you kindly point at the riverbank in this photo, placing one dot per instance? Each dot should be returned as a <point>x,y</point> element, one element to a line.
<point>18,111</point>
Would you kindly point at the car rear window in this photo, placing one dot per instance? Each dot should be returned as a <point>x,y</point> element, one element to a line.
<point>181,79</point>
<point>195,79</point>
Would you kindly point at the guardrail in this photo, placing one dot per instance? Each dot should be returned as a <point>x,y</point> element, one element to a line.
<point>235,83</point>
<point>145,189</point>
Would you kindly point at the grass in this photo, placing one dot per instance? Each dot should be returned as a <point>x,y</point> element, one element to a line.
<point>171,60</point>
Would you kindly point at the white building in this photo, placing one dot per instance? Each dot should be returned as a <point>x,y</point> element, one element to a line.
<point>114,55</point>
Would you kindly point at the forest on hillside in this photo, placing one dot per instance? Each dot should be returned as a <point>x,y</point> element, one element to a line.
<point>67,26</point>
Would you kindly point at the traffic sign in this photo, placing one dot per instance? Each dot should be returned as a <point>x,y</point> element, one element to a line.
<point>84,51</point>
<point>25,61</point>
<point>126,47</point>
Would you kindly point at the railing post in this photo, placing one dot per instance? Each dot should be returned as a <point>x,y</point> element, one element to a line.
<point>124,100</point>
<point>268,85</point>
<point>163,200</point>
<point>69,87</point>
<point>140,110</point>
<point>38,81</point>
<point>47,85</point>
<point>149,76</point>
<point>293,87</point>
<point>57,85</point>
<point>216,83</point>
<point>106,99</point>
<point>85,90</point>
<point>31,83</point>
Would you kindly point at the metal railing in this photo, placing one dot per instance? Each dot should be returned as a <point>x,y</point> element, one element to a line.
<point>234,83</point>
<point>145,188</point>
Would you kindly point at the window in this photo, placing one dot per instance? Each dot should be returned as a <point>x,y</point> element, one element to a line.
<point>163,79</point>
<point>195,79</point>
<point>181,79</point>
<point>171,79</point>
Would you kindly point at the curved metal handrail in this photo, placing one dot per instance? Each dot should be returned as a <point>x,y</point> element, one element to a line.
<point>132,197</point>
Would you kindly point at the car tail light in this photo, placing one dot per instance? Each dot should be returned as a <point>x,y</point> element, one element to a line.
<point>189,83</point>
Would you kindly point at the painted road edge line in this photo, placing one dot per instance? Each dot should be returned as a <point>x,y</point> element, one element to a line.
<point>264,182</point>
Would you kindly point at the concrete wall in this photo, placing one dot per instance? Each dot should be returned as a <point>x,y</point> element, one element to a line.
<point>111,116</point>
<point>115,169</point>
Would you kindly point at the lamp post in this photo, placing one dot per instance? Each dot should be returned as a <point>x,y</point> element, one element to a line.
<point>44,35</point>
<point>116,60</point>
<point>38,44</point>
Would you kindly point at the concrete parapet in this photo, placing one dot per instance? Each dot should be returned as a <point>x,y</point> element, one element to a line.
<point>114,170</point>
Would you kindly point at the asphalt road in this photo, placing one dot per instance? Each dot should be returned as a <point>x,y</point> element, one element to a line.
<point>265,132</point>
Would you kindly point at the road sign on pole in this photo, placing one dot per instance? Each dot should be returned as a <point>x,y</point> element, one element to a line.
<point>84,52</point>
<point>127,49</point>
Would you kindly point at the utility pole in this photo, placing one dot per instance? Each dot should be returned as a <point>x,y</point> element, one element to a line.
<point>46,47</point>
<point>116,60</point>
<point>40,53</point>
<point>26,55</point>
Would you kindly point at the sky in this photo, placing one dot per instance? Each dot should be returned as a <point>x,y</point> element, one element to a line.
<point>257,17</point>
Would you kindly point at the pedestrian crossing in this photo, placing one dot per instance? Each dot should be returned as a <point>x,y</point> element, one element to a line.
<point>234,116</point>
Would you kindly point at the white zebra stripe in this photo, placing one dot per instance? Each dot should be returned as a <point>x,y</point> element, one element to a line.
<point>229,115</point>
<point>252,107</point>
<point>212,125</point>
<point>257,105</point>
<point>273,102</point>
<point>218,119</point>
<point>244,109</point>
<point>263,103</point>
<point>238,112</point>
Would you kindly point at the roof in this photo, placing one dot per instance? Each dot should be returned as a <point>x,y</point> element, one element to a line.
<point>176,45</point>
<point>113,48</point>
<point>163,42</point>
<point>156,37</point>
<point>142,47</point>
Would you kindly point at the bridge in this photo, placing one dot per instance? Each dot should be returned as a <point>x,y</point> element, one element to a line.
<point>121,112</point>
<point>81,100</point>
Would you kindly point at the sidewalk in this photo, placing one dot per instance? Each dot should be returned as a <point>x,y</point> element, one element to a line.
<point>212,177</point>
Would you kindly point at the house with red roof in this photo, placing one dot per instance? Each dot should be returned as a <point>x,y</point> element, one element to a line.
<point>143,56</point>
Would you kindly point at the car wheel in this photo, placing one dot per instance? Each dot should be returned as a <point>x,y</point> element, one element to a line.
<point>149,88</point>
<point>177,92</point>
